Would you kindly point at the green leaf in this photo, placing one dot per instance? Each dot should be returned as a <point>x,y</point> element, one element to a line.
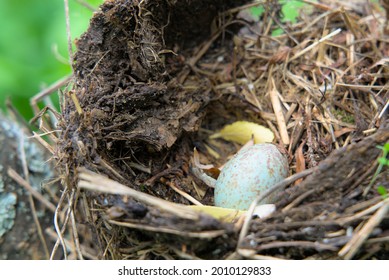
<point>386,147</point>
<point>382,191</point>
<point>256,12</point>
<point>383,161</point>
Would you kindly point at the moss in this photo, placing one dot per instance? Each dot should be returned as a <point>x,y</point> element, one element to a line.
<point>13,201</point>
<point>343,116</point>
<point>7,211</point>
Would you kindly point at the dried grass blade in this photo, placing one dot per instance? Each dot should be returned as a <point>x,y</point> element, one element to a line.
<point>278,112</point>
<point>310,47</point>
<point>352,247</point>
<point>300,161</point>
<point>184,194</point>
<point>96,182</point>
<point>205,234</point>
<point>21,181</point>
<point>43,142</point>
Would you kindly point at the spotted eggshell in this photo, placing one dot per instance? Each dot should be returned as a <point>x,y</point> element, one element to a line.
<point>251,172</point>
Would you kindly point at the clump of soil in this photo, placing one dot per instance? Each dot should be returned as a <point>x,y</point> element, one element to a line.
<point>152,80</point>
<point>128,71</point>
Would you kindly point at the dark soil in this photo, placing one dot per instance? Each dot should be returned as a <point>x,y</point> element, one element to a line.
<point>127,81</point>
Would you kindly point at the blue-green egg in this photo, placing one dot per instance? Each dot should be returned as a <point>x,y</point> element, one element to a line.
<point>251,172</point>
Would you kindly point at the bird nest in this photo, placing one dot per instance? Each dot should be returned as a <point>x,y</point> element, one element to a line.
<point>153,79</point>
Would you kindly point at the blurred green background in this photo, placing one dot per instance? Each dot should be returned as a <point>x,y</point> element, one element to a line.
<point>33,46</point>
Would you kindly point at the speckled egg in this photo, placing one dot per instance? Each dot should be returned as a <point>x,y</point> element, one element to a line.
<point>251,172</point>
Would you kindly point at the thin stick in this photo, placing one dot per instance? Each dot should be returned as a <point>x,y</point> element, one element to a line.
<point>31,200</point>
<point>204,234</point>
<point>58,230</point>
<point>360,214</point>
<point>280,185</point>
<point>383,110</point>
<point>110,168</point>
<point>87,5</point>
<point>96,182</point>
<point>251,254</point>
<point>246,6</point>
<point>298,200</point>
<point>70,48</point>
<point>17,178</point>
<point>351,248</point>
<point>43,142</point>
<point>184,194</point>
<point>278,112</point>
<point>193,60</point>
<point>86,251</point>
<point>75,232</point>
<point>58,84</point>
<point>360,87</point>
<point>299,244</point>
<point>297,55</point>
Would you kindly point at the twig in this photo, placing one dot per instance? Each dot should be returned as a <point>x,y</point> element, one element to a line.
<point>362,205</point>
<point>308,124</point>
<point>332,34</point>
<point>352,247</point>
<point>74,227</point>
<point>298,200</point>
<point>366,88</point>
<point>383,110</point>
<point>96,182</point>
<point>17,178</point>
<point>184,194</point>
<point>278,112</point>
<point>58,84</point>
<point>378,240</point>
<point>280,185</point>
<point>349,23</point>
<point>158,176</point>
<point>31,200</point>
<point>110,168</point>
<point>184,255</point>
<point>246,6</point>
<point>43,142</point>
<point>70,48</point>
<point>86,251</point>
<point>204,234</point>
<point>361,214</point>
<point>299,244</point>
<point>251,254</point>
<point>203,49</point>
<point>59,231</point>
<point>87,5</point>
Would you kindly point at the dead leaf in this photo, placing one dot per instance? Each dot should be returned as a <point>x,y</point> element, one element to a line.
<point>300,162</point>
<point>232,215</point>
<point>225,214</point>
<point>242,131</point>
